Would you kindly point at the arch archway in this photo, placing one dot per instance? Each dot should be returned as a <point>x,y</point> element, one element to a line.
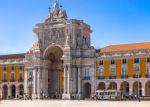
<point>147,88</point>
<point>21,89</point>
<point>137,88</point>
<point>87,90</point>
<point>124,88</point>
<point>112,86</point>
<point>54,54</point>
<point>13,91</point>
<point>5,92</point>
<point>101,86</point>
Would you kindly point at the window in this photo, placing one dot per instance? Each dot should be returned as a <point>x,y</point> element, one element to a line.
<point>124,61</point>
<point>12,76</point>
<point>20,68</point>
<point>136,60</point>
<point>12,68</point>
<point>4,76</point>
<point>100,62</point>
<point>148,70</point>
<point>112,62</point>
<point>101,72</point>
<point>87,73</point>
<point>20,76</point>
<point>136,70</point>
<point>5,68</point>
<point>124,71</point>
<point>112,72</point>
<point>148,59</point>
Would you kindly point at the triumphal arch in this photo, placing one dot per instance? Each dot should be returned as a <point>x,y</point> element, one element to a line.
<point>54,65</point>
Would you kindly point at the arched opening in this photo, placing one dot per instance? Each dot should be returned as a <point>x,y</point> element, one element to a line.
<point>55,72</point>
<point>101,86</point>
<point>87,90</point>
<point>112,86</point>
<point>124,88</point>
<point>137,88</point>
<point>21,90</point>
<point>147,88</point>
<point>5,92</point>
<point>13,91</point>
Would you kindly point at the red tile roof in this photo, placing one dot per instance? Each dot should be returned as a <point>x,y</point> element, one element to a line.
<point>13,56</point>
<point>126,47</point>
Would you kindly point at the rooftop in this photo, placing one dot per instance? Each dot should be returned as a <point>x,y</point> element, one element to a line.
<point>126,47</point>
<point>13,56</point>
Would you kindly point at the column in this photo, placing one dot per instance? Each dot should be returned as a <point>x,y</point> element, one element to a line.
<point>17,91</point>
<point>66,94</point>
<point>65,79</point>
<point>25,83</point>
<point>34,84</point>
<point>118,86</point>
<point>143,88</point>
<point>38,84</point>
<point>9,91</point>
<point>46,81</point>
<point>130,88</point>
<point>107,85</point>
<point>68,81</point>
<point>79,82</point>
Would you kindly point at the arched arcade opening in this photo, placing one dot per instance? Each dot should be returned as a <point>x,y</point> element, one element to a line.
<point>124,88</point>
<point>87,90</point>
<point>137,88</point>
<point>54,54</point>
<point>5,92</point>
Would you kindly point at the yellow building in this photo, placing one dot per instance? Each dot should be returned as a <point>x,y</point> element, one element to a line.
<point>124,67</point>
<point>11,75</point>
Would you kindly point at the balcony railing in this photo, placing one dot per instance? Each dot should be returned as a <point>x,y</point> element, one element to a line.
<point>86,78</point>
<point>136,76</point>
<point>112,77</point>
<point>4,80</point>
<point>147,75</point>
<point>20,80</point>
<point>12,80</point>
<point>100,77</point>
<point>124,76</point>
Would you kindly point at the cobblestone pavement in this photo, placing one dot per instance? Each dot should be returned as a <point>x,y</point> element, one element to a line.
<point>65,103</point>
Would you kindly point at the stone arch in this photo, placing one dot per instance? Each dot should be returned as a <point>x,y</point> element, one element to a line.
<point>4,91</point>
<point>49,49</point>
<point>112,86</point>
<point>124,88</point>
<point>147,88</point>
<point>13,91</point>
<point>101,86</point>
<point>87,90</point>
<point>137,88</point>
<point>54,54</point>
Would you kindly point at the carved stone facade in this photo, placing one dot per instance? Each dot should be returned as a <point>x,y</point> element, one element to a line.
<point>62,45</point>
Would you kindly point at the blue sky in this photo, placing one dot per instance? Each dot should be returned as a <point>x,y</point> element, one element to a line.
<point>112,21</point>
